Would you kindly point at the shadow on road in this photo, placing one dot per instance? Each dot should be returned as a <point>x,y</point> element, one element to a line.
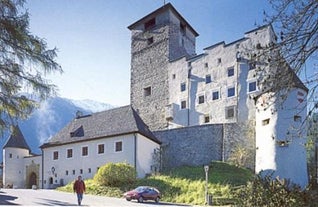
<point>161,203</point>
<point>6,199</point>
<point>51,202</point>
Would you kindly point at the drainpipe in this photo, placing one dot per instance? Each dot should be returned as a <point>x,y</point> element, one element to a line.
<point>189,81</point>
<point>135,151</point>
<point>42,184</point>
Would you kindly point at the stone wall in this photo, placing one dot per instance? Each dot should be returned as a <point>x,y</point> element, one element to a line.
<point>191,146</point>
<point>199,145</point>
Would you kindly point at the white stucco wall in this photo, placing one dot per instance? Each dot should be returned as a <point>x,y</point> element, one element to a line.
<point>215,61</point>
<point>145,149</point>
<point>280,145</point>
<point>14,171</point>
<point>92,161</point>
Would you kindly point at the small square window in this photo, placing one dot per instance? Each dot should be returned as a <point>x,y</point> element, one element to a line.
<point>84,151</point>
<point>55,155</point>
<point>173,76</point>
<point>208,79</point>
<point>150,40</point>
<point>265,122</point>
<point>231,92</point>
<point>230,72</point>
<point>89,170</point>
<point>206,118</point>
<point>230,112</point>
<point>219,60</point>
<point>69,153</point>
<point>73,171</point>
<point>101,148</point>
<point>206,65</point>
<point>147,91</point>
<point>66,172</point>
<point>183,104</point>
<point>297,118</point>
<point>81,171</point>
<point>118,146</point>
<point>10,155</point>
<point>201,99</point>
<point>183,87</point>
<point>215,95</point>
<point>252,66</point>
<point>252,86</point>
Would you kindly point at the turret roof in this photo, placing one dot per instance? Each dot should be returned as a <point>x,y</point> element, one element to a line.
<point>16,139</point>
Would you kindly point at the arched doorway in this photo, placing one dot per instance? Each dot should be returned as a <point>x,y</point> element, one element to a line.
<point>32,179</point>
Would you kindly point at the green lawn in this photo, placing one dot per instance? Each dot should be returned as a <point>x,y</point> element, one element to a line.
<point>184,184</point>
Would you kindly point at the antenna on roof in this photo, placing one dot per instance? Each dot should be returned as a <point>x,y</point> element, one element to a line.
<point>164,2</point>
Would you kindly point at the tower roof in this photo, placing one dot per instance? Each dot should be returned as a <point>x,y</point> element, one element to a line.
<point>163,9</point>
<point>16,139</point>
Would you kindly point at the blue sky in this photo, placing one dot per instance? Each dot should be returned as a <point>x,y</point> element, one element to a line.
<point>94,43</point>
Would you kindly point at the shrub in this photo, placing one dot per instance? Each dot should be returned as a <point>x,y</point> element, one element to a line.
<point>266,191</point>
<point>115,175</point>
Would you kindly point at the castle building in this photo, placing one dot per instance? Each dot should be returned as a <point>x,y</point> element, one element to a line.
<point>194,105</point>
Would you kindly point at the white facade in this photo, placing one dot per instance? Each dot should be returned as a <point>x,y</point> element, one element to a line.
<point>136,151</point>
<point>13,157</point>
<point>281,136</point>
<point>217,86</point>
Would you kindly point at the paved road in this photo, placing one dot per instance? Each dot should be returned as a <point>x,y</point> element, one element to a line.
<point>29,197</point>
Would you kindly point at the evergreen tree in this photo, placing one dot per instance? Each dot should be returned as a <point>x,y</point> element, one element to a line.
<point>24,62</point>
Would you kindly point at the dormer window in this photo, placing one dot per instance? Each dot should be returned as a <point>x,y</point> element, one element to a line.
<point>150,23</point>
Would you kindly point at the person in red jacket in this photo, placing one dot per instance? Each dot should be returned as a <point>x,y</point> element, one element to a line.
<point>79,189</point>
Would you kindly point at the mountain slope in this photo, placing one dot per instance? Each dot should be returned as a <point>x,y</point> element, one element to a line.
<point>52,116</point>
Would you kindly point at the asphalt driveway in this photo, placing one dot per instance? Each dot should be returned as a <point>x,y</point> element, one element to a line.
<point>29,197</point>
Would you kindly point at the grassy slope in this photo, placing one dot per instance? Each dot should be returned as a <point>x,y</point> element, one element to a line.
<point>185,184</point>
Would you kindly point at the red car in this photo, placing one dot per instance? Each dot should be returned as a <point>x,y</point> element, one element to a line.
<point>142,193</point>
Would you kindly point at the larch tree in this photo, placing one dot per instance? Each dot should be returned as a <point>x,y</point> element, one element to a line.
<point>25,60</point>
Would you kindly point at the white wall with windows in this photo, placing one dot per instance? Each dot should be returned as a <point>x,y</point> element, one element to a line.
<point>63,163</point>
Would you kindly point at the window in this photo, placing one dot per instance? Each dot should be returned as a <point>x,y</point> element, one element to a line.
<point>89,170</point>
<point>73,171</point>
<point>208,79</point>
<point>201,99</point>
<point>183,87</point>
<point>81,171</point>
<point>150,40</point>
<point>173,76</point>
<point>252,86</point>
<point>230,72</point>
<point>206,118</point>
<point>252,66</point>
<point>66,172</point>
<point>147,91</point>
<point>150,23</point>
<point>265,122</point>
<point>297,118</point>
<point>183,104</point>
<point>118,146</point>
<point>215,95</point>
<point>10,155</point>
<point>55,155</point>
<point>219,60</point>
<point>206,65</point>
<point>229,112</point>
<point>84,151</point>
<point>231,92</point>
<point>69,153</point>
<point>100,148</point>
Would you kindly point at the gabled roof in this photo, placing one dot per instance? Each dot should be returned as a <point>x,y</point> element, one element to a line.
<point>109,123</point>
<point>163,9</point>
<point>16,139</point>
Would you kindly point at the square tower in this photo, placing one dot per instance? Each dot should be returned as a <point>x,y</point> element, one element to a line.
<point>161,36</point>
